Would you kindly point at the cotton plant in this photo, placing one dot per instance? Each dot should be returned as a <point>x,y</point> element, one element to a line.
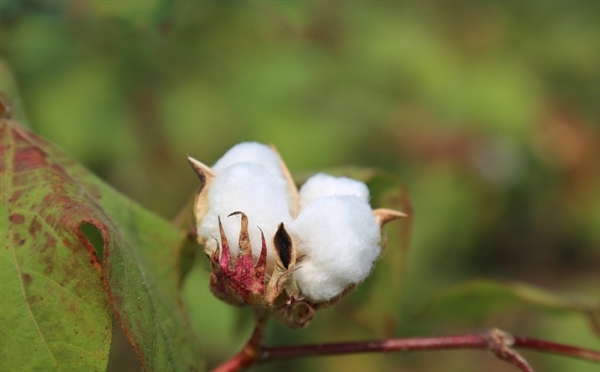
<point>278,248</point>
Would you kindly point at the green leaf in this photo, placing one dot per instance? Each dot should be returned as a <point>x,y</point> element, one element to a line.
<point>56,294</point>
<point>477,300</point>
<point>54,312</point>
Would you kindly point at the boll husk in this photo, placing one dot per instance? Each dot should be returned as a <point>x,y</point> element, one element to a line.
<point>278,249</point>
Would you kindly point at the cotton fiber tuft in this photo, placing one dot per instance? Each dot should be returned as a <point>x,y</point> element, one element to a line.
<point>326,185</point>
<point>253,190</point>
<point>337,236</point>
<point>256,153</point>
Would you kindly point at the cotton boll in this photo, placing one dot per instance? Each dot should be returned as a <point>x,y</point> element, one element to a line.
<point>337,241</point>
<point>256,153</point>
<point>251,189</point>
<point>326,185</point>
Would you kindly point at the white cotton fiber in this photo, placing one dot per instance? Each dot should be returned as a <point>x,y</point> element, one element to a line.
<point>326,185</point>
<point>253,190</point>
<point>317,283</point>
<point>250,152</point>
<point>256,153</point>
<point>338,240</point>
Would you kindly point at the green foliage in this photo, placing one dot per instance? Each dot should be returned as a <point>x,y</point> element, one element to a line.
<point>76,252</point>
<point>477,300</point>
<point>52,295</point>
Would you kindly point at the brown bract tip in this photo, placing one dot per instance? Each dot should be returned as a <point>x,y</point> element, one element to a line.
<point>235,279</point>
<point>384,215</point>
<point>244,239</point>
<point>202,171</point>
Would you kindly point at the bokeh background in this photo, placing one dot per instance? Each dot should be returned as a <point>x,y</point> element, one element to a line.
<point>489,113</point>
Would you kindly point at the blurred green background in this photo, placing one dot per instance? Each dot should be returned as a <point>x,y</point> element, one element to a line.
<point>487,111</point>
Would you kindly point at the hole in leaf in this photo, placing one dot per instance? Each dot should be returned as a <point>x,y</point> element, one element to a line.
<point>93,234</point>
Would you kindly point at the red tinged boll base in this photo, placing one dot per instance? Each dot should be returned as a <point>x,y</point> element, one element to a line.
<point>240,282</point>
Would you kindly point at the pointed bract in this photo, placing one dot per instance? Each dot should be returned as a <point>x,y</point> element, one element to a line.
<point>203,172</point>
<point>384,215</point>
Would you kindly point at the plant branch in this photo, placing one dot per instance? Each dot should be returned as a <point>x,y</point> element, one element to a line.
<point>501,343</point>
<point>495,340</point>
<point>554,348</point>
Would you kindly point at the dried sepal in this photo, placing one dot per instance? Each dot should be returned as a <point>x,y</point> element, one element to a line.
<point>295,314</point>
<point>284,252</point>
<point>244,238</point>
<point>206,176</point>
<point>237,281</point>
<point>224,261</point>
<point>384,215</point>
<point>203,171</point>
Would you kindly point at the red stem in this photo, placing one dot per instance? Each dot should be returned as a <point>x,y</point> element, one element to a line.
<point>405,344</point>
<point>554,348</point>
<point>499,342</point>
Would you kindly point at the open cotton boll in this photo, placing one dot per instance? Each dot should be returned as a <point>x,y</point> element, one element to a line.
<point>337,242</point>
<point>326,185</point>
<point>256,153</point>
<point>251,189</point>
<point>317,283</point>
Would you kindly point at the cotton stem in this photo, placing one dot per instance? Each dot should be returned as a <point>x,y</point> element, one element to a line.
<point>497,341</point>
